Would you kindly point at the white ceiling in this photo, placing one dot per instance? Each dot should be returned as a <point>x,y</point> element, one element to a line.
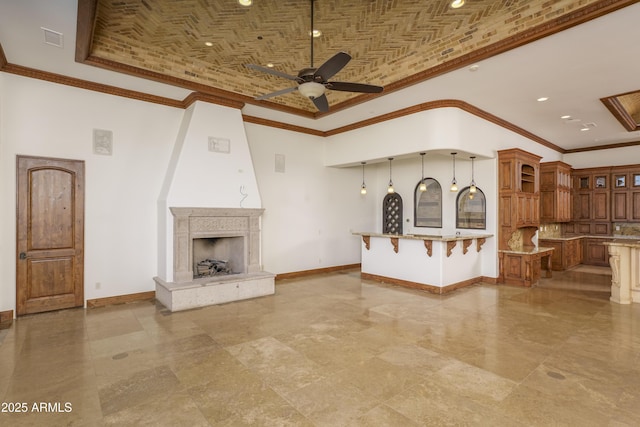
<point>574,69</point>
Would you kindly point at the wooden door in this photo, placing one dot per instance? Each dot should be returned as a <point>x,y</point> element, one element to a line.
<point>50,234</point>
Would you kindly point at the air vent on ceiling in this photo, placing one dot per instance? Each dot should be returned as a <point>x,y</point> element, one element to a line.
<point>590,125</point>
<point>51,37</point>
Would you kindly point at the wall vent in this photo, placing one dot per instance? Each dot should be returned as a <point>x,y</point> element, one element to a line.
<point>51,37</point>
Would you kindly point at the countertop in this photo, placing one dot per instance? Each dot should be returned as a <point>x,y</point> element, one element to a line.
<point>447,238</point>
<point>624,242</point>
<point>588,236</point>
<point>527,251</point>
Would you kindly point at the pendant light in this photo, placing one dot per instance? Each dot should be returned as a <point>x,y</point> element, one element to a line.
<point>454,183</point>
<point>390,189</point>
<point>363,189</point>
<point>423,185</point>
<point>472,186</point>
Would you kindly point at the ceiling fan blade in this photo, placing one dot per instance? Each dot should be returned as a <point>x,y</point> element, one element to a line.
<point>332,66</point>
<point>273,72</point>
<point>354,87</point>
<point>321,103</point>
<point>277,93</point>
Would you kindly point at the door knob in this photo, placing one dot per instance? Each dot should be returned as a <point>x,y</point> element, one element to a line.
<point>23,255</point>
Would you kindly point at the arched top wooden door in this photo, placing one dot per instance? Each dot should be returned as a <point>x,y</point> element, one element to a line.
<point>50,234</point>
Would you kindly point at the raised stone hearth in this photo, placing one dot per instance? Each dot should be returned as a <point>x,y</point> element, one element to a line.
<point>247,281</point>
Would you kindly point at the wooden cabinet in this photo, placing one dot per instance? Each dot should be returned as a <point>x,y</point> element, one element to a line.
<point>625,193</point>
<point>619,205</point>
<point>592,193</point>
<point>573,253</point>
<point>521,268</point>
<point>556,255</point>
<point>518,217</point>
<point>527,214</point>
<point>600,206</point>
<point>555,192</point>
<point>595,252</point>
<point>567,253</point>
<point>582,206</point>
<point>587,228</point>
<point>519,194</point>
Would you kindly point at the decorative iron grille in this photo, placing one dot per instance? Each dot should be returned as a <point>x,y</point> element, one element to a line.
<point>392,214</point>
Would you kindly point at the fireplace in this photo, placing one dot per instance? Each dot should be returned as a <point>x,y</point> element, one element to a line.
<point>225,241</point>
<point>217,256</point>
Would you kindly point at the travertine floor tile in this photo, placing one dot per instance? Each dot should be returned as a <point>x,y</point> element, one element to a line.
<point>334,350</point>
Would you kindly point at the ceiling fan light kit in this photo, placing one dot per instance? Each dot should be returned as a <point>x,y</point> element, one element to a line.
<point>312,82</point>
<point>311,90</point>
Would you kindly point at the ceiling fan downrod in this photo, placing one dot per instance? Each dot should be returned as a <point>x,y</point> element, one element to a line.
<point>311,32</point>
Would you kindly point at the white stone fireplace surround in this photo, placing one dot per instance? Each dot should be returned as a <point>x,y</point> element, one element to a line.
<point>190,224</point>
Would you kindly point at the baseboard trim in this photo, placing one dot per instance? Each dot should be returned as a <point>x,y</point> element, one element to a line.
<point>489,280</point>
<point>304,273</point>
<point>121,299</point>
<point>6,317</point>
<point>421,286</point>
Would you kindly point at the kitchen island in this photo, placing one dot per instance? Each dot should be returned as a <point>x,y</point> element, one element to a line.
<point>522,266</point>
<point>624,257</point>
<point>438,264</point>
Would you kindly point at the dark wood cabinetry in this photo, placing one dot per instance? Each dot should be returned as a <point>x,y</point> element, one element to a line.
<point>519,187</point>
<point>592,193</point>
<point>567,253</point>
<point>595,252</point>
<point>625,193</point>
<point>605,195</point>
<point>555,192</point>
<point>519,217</point>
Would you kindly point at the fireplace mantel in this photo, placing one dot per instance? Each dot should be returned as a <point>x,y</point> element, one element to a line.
<point>194,223</point>
<point>185,292</point>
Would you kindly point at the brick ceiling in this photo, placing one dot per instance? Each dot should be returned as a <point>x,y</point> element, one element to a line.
<point>393,43</point>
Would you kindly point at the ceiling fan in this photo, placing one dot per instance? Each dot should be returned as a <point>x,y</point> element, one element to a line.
<point>312,82</point>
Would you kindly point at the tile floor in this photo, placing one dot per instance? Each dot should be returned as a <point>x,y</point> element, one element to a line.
<point>333,350</point>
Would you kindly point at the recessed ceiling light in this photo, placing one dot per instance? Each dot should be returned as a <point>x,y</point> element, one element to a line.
<point>474,67</point>
<point>542,99</point>
<point>208,44</point>
<point>565,117</point>
<point>316,33</point>
<point>245,2</point>
<point>455,4</point>
<point>584,129</point>
<point>270,64</point>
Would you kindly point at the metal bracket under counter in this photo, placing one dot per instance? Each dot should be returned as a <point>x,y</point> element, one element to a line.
<point>428,240</point>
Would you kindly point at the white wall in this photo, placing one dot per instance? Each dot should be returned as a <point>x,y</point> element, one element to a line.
<point>438,133</point>
<point>441,130</point>
<point>310,209</point>
<point>198,177</point>
<point>611,157</point>
<point>44,119</point>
